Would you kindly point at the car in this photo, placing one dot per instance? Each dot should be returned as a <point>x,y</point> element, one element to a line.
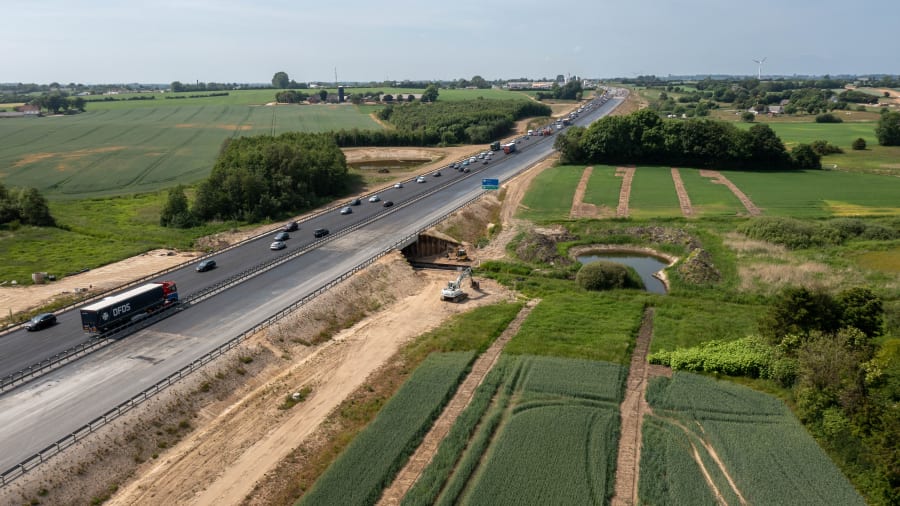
<point>465,162</point>
<point>374,198</point>
<point>354,202</point>
<point>41,321</point>
<point>472,159</point>
<point>398,185</point>
<point>320,232</point>
<point>206,265</point>
<point>437,174</point>
<point>282,236</point>
<point>277,245</point>
<point>485,162</point>
<point>347,210</point>
<point>388,203</point>
<point>290,227</point>
<point>466,170</point>
<point>420,179</point>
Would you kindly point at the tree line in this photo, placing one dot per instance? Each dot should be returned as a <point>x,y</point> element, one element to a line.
<point>25,206</point>
<point>262,177</point>
<point>644,138</point>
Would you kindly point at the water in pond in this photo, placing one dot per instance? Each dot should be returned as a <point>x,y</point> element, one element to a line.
<point>645,265</point>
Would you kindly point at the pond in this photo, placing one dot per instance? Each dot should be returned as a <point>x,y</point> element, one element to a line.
<point>645,265</point>
<point>387,164</point>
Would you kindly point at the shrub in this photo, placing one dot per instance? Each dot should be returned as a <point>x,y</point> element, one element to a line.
<point>859,144</point>
<point>828,118</point>
<point>823,148</point>
<point>748,117</point>
<point>602,275</point>
<point>804,157</point>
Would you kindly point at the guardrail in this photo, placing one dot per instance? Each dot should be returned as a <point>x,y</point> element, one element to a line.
<point>55,448</point>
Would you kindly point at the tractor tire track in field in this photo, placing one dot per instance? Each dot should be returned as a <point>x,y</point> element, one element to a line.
<point>718,178</point>
<point>11,144</point>
<point>159,160</point>
<point>634,407</point>
<point>240,124</point>
<point>684,201</point>
<point>426,451</point>
<point>627,175</point>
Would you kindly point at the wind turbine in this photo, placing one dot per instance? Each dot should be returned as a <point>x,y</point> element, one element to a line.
<point>759,69</point>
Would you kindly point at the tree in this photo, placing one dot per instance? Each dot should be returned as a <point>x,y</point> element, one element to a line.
<point>176,86</point>
<point>748,117</point>
<point>430,94</point>
<point>323,94</point>
<point>805,157</point>
<point>888,129</point>
<point>479,82</point>
<point>862,310</point>
<point>34,209</point>
<point>799,311</point>
<point>281,80</point>
<point>859,144</point>
<point>175,212</point>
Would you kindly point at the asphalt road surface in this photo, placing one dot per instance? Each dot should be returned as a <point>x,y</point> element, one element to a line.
<point>41,412</point>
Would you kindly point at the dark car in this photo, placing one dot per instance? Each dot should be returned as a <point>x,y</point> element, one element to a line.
<point>354,202</point>
<point>437,174</point>
<point>282,236</point>
<point>290,227</point>
<point>388,203</point>
<point>320,232</point>
<point>206,265</point>
<point>41,321</point>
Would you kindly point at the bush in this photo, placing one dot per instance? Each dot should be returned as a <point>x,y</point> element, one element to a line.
<point>859,144</point>
<point>828,118</point>
<point>804,157</point>
<point>888,129</point>
<point>748,117</point>
<point>823,148</point>
<point>601,275</point>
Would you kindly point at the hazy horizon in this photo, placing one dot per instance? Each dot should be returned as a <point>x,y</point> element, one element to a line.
<point>100,41</point>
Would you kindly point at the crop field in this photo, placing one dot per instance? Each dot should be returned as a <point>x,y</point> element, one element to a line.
<point>813,193</point>
<point>141,149</point>
<point>653,193</point>
<point>549,437</point>
<point>708,199</point>
<point>767,453</point>
<point>370,462</point>
<point>550,195</point>
<point>819,193</point>
<point>580,325</point>
<point>603,187</point>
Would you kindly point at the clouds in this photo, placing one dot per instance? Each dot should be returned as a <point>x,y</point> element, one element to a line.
<point>247,41</point>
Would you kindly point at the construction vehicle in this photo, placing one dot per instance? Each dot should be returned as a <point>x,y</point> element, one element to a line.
<point>459,254</point>
<point>454,291</point>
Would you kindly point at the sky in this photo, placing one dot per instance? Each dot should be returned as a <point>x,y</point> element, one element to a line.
<point>243,41</point>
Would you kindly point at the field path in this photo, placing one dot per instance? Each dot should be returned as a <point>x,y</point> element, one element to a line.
<point>627,174</point>
<point>718,178</point>
<point>426,451</point>
<point>580,208</point>
<point>632,411</point>
<point>684,201</point>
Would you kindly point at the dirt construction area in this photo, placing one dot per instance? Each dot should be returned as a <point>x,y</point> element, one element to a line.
<point>221,436</point>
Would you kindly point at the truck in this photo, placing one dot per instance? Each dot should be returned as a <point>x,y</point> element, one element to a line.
<point>495,146</point>
<point>509,148</point>
<point>547,131</point>
<point>117,310</point>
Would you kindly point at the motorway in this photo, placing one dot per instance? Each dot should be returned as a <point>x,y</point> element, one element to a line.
<point>46,409</point>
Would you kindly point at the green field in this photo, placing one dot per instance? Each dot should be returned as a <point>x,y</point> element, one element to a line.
<point>708,199</point>
<point>126,150</point>
<point>603,188</point>
<point>653,193</point>
<point>819,193</point>
<point>580,325</point>
<point>549,437</point>
<point>550,195</point>
<point>375,456</point>
<point>762,446</point>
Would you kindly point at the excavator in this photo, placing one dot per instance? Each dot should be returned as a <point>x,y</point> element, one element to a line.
<point>454,291</point>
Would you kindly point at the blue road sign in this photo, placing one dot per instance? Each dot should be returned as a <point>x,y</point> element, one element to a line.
<point>490,184</point>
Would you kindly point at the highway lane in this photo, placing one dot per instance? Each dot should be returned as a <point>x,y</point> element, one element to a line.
<point>41,412</point>
<point>21,349</point>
